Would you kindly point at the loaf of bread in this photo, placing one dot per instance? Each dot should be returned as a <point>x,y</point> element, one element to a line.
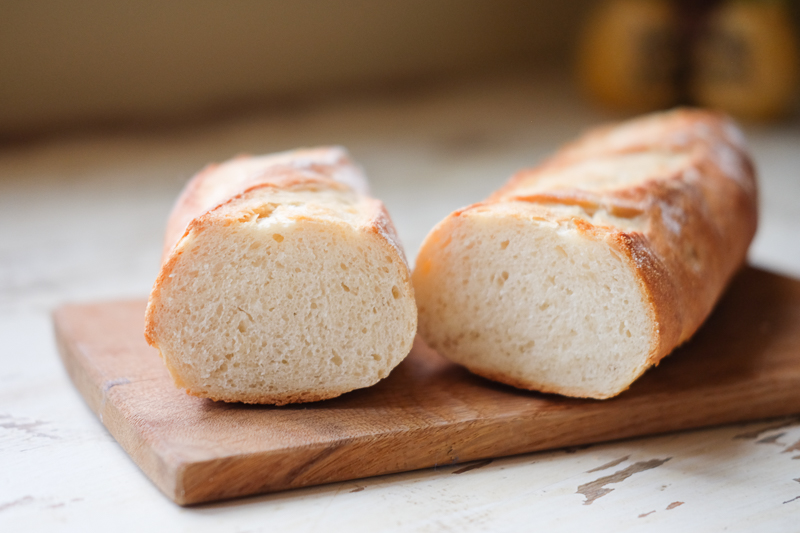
<point>578,275</point>
<point>282,281</point>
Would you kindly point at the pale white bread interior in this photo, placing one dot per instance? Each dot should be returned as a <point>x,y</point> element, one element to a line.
<point>545,288</point>
<point>293,290</point>
<point>577,276</point>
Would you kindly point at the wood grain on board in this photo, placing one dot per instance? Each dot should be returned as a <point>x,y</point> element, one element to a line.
<point>743,364</point>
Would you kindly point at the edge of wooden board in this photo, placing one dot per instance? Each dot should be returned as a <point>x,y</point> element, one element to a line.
<point>185,479</point>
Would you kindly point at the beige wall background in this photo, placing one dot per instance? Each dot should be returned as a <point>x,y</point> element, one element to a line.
<point>70,64</point>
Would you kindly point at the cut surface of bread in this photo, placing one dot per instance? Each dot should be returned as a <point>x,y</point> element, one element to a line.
<point>578,275</point>
<point>546,288</point>
<point>293,290</point>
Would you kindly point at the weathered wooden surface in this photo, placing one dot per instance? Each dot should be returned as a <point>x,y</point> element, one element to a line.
<point>744,364</point>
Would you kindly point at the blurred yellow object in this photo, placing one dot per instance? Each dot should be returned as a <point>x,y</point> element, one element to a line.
<point>740,56</point>
<point>747,62</point>
<point>627,57</point>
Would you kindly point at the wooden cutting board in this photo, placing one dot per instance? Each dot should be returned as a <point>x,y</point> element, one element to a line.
<point>743,364</point>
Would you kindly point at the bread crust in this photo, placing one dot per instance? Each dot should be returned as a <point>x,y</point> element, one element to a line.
<point>219,183</point>
<point>223,195</point>
<point>690,225</point>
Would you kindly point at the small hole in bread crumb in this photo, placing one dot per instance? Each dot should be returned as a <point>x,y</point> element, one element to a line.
<point>376,357</point>
<point>504,245</point>
<point>505,275</point>
<point>395,292</point>
<point>278,237</point>
<point>336,360</point>
<point>345,287</point>
<point>313,305</point>
<point>344,267</point>
<point>528,345</point>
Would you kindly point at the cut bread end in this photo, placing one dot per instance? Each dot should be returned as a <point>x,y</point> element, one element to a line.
<point>291,302</point>
<point>535,297</point>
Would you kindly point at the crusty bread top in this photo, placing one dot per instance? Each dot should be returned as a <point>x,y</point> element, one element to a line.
<point>682,131</point>
<point>674,191</point>
<point>218,183</point>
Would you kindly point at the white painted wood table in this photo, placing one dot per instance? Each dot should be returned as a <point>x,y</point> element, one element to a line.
<point>81,220</point>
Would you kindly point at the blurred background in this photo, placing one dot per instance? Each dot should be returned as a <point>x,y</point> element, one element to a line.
<point>71,64</point>
<point>108,107</point>
<point>68,65</point>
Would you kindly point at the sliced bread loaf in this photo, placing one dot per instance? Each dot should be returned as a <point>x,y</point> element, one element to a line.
<point>282,281</point>
<point>578,275</point>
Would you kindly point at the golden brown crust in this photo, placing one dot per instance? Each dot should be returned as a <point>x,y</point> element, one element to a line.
<point>678,131</point>
<point>269,399</point>
<point>218,183</point>
<point>684,230</point>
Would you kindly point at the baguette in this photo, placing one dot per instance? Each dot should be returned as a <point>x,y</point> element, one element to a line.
<point>578,275</point>
<point>282,281</point>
